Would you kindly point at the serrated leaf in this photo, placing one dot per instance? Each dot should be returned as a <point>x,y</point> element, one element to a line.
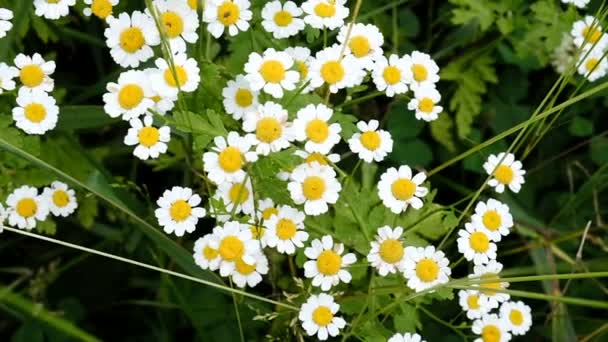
<point>407,319</point>
<point>441,131</point>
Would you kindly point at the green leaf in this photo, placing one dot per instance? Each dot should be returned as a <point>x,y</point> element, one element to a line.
<point>347,122</point>
<point>479,11</point>
<point>412,152</point>
<point>407,320</point>
<point>87,211</point>
<point>599,146</point>
<point>442,131</point>
<point>581,127</point>
<point>82,117</point>
<point>204,127</point>
<point>46,227</point>
<point>401,123</point>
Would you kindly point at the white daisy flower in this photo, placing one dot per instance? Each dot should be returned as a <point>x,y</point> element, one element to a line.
<point>226,14</point>
<point>425,103</point>
<point>322,159</point>
<point>266,209</point>
<point>302,59</point>
<point>36,111</point>
<point>258,233</point>
<point>594,65</point>
<point>507,172</point>
<point>130,97</point>
<point>225,161</point>
<point>398,189</point>
<point>424,69</point>
<point>391,75</point>
<point>387,252</point>
<point>322,14</point>
<point>285,230</point>
<point>517,316</point>
<point>588,32</point>
<point>282,20</point>
<point>193,4</point>
<point>205,256</point>
<point>239,98</point>
<point>314,185</point>
<point>490,271</point>
<point>271,72</point>
<point>130,38</point>
<point>34,72</point>
<point>25,207</point>
<point>61,200</point>
<point>562,56</point>
<point>407,337</point>
<point>364,43</point>
<point>162,103</point>
<point>329,68</point>
<point>371,144</point>
<point>7,74</point>
<point>186,70</point>
<point>234,244</point>
<point>268,127</point>
<point>102,9</point>
<point>493,217</point>
<point>473,304</point>
<point>424,267</point>
<point>180,23</point>
<point>312,125</point>
<point>475,244</point>
<point>577,3</point>
<point>178,210</point>
<point>53,9</point>
<point>491,329</point>
<point>245,274</point>
<point>327,265</point>
<point>236,193</point>
<point>5,21</point>
<point>318,316</point>
<point>151,141</point>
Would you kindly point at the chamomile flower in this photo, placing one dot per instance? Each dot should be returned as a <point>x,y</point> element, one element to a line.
<point>25,207</point>
<point>245,274</point>
<point>102,9</point>
<point>162,103</point>
<point>234,244</point>
<point>7,74</point>
<point>193,4</point>
<point>5,21</point>
<point>282,20</point>
<point>371,143</point>
<point>266,209</point>
<point>424,267</point>
<point>179,21</point>
<point>230,15</point>
<point>151,141</point>
<point>205,256</point>
<point>314,185</point>
<point>339,72</point>
<point>391,75</point>
<point>130,38</point>
<point>493,217</point>
<point>312,125</point>
<point>187,72</point>
<point>130,97</point>
<point>387,251</point>
<point>398,189</point>
<point>562,56</point>
<point>407,337</point>
<point>325,13</point>
<point>490,271</point>
<point>491,329</point>
<point>285,230</point>
<point>268,127</point>
<point>239,194</point>
<point>517,316</point>
<point>178,210</point>
<point>53,9</point>
<point>258,233</point>
<point>425,103</point>
<point>594,65</point>
<point>35,72</point>
<point>225,161</point>
<point>506,172</point>
<point>36,111</point>
<point>322,159</point>
<point>239,98</point>
<point>588,32</point>
<point>473,304</point>
<point>423,68</point>
<point>364,43</point>
<point>577,3</point>
<point>326,264</point>
<point>61,200</point>
<point>271,72</point>
<point>318,316</point>
<point>475,244</point>
<point>301,58</point>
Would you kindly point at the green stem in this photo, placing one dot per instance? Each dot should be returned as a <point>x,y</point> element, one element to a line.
<point>360,99</point>
<point>442,322</point>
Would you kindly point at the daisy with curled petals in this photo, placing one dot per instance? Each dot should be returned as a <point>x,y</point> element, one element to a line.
<point>239,194</point>
<point>36,111</point>
<point>517,316</point>
<point>185,70</point>
<point>491,328</point>
<point>371,143</point>
<point>473,304</point>
<point>271,72</point>
<point>505,171</point>
<point>364,43</point>
<point>301,58</point>
<point>53,9</point>
<point>151,141</point>
<point>338,72</point>
<point>130,38</point>
<point>494,217</point>
<point>387,251</point>
<point>594,65</point>
<point>179,21</point>
<point>424,267</point>
<point>130,97</point>
<point>391,75</point>
<point>588,32</point>
<point>282,20</point>
<point>230,15</point>
<point>7,74</point>
<point>398,189</point>
<point>205,256</point>
<point>61,199</point>
<point>326,264</point>
<point>312,125</point>
<point>102,9</point>
<point>314,185</point>
<point>489,274</point>
<point>239,98</point>
<point>325,13</point>
<point>268,127</point>
<point>285,230</point>
<point>407,337</point>
<point>475,244</point>
<point>35,72</point>
<point>234,244</point>
<point>178,210</point>
<point>25,207</point>
<point>246,274</point>
<point>424,69</point>
<point>318,316</point>
<point>225,161</point>
<point>5,21</point>
<point>425,103</point>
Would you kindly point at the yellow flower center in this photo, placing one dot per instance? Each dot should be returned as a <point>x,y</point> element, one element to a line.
<point>268,130</point>
<point>479,242</point>
<point>101,8</point>
<point>31,75</point>
<point>359,46</point>
<point>156,98</point>
<point>193,4</point>
<point>173,22</point>
<point>322,316</point>
<point>392,75</point>
<point>286,229</point>
<point>130,96</point>
<point>148,136</point>
<point>489,286</point>
<point>427,270</point>
<point>316,157</point>
<point>268,212</point>
<point>35,112</point>
<point>329,262</point>
<point>180,210</point>
<point>391,250</point>
<point>210,253</point>
<point>230,159</point>
<point>52,1</point>
<point>370,140</point>
<point>504,174</point>
<point>283,18</point>
<point>27,207</point>
<point>257,232</point>
<point>426,105</point>
<point>591,64</point>
<point>403,189</point>
<point>303,69</point>
<point>60,198</point>
<point>332,72</point>
<point>244,268</point>
<point>228,13</point>
<point>182,76</point>
<point>324,10</point>
<point>238,193</point>
<point>313,187</point>
<point>231,248</point>
<point>473,302</point>
<point>420,72</point>
<point>490,333</point>
<point>243,97</point>
<point>317,130</point>
<point>516,317</point>
<point>272,71</point>
<point>132,39</point>
<point>592,34</point>
<point>491,220</point>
